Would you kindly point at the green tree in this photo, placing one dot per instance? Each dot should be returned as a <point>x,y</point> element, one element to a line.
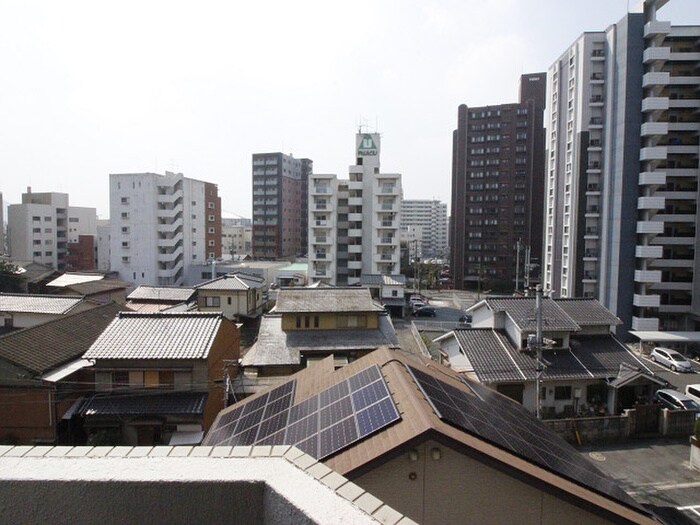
<point>11,280</point>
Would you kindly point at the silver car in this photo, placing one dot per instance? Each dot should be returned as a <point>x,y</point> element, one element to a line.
<point>674,400</point>
<point>670,358</point>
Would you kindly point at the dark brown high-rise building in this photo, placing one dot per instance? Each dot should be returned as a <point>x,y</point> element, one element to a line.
<point>497,189</point>
<point>280,205</point>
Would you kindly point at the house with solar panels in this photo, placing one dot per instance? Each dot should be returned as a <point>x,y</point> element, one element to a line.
<point>159,378</point>
<point>434,445</point>
<point>310,324</point>
<point>587,371</point>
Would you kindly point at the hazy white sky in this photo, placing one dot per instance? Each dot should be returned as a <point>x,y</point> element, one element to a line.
<point>90,88</point>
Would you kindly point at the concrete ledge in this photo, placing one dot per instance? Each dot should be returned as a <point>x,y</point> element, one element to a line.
<point>272,485</point>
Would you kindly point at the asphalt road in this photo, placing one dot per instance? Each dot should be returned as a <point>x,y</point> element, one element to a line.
<point>656,473</point>
<point>678,379</point>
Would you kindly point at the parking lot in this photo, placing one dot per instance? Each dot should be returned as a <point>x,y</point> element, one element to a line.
<point>678,379</point>
<point>656,473</point>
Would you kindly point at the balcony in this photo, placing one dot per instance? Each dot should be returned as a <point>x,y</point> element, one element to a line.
<point>651,203</point>
<point>320,255</point>
<point>655,79</point>
<point>647,276</point>
<point>650,104</point>
<point>355,217</point>
<point>645,324</point>
<point>385,240</point>
<point>653,153</point>
<point>354,201</point>
<point>597,78</point>
<point>355,232</point>
<point>650,129</point>
<point>354,248</point>
<point>322,240</point>
<point>649,252</point>
<point>653,227</point>
<point>320,190</point>
<point>652,178</point>
<point>686,103</point>
<point>596,100</point>
<point>354,265</point>
<point>656,28</point>
<point>320,223</point>
<point>646,301</point>
<point>656,54</point>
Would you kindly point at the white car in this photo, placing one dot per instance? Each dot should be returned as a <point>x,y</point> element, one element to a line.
<point>670,358</point>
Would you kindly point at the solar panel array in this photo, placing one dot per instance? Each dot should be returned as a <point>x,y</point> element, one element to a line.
<point>320,425</point>
<point>506,424</point>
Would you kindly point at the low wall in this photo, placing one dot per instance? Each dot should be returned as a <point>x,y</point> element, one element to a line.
<point>695,453</point>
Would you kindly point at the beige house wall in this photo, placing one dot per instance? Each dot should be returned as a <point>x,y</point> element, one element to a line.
<point>458,489</point>
<point>328,321</point>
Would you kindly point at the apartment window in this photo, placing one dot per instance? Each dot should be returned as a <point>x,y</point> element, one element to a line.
<point>212,230</point>
<point>298,321</point>
<point>48,242</point>
<point>562,393</point>
<point>125,215</point>
<point>125,244</point>
<point>212,243</point>
<point>125,259</point>
<point>316,321</point>
<point>194,203</point>
<point>47,219</point>
<point>212,255</point>
<point>211,218</point>
<point>125,229</point>
<point>210,205</point>
<point>37,254</point>
<point>214,302</point>
<point>36,230</point>
<point>73,219</point>
<point>194,216</point>
<point>125,200</point>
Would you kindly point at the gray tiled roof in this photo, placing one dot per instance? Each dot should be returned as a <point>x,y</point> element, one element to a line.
<point>145,404</point>
<point>376,279</point>
<point>588,312</point>
<point>522,311</point>
<point>39,304</point>
<point>276,347</point>
<point>161,293</point>
<point>157,336</point>
<point>494,359</point>
<point>52,344</point>
<point>313,300</point>
<point>233,281</point>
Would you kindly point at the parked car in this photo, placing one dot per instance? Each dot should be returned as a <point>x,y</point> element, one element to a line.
<point>466,318</point>
<point>417,298</point>
<point>693,392</point>
<point>424,311</point>
<point>670,358</point>
<point>417,304</point>
<point>674,400</point>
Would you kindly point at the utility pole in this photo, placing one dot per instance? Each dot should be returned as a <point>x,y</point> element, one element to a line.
<point>517,266</point>
<point>527,267</point>
<point>536,345</point>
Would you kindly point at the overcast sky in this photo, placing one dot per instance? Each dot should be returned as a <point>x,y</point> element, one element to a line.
<point>91,88</point>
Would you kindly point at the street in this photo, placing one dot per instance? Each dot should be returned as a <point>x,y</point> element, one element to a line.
<point>679,380</point>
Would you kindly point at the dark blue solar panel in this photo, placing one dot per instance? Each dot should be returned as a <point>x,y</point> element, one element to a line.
<point>367,376</point>
<point>334,393</point>
<point>273,439</point>
<point>245,438</point>
<point>369,395</point>
<point>230,417</point>
<point>248,421</point>
<point>303,429</point>
<point>273,424</point>
<point>303,409</point>
<point>501,421</point>
<point>338,436</point>
<point>310,446</point>
<point>376,416</point>
<point>335,412</point>
<point>281,391</point>
<point>255,404</point>
<point>277,405</point>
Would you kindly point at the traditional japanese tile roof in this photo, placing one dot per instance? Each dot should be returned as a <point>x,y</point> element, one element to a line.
<point>46,346</point>
<point>473,419</point>
<point>97,287</point>
<point>376,279</point>
<point>495,360</point>
<point>233,281</point>
<point>38,304</point>
<point>275,347</point>
<point>157,336</point>
<point>165,294</point>
<point>522,311</point>
<point>588,312</point>
<point>144,404</point>
<point>317,300</point>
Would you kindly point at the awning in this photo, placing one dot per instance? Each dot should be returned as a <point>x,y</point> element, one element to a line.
<point>629,376</point>
<point>66,370</point>
<point>139,404</point>
<point>186,438</point>
<point>666,337</point>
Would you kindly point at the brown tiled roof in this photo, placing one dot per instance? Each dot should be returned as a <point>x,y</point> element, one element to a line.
<point>588,312</point>
<point>157,336</point>
<point>165,294</point>
<point>54,343</point>
<point>522,311</point>
<point>317,300</point>
<point>38,304</point>
<point>555,464</point>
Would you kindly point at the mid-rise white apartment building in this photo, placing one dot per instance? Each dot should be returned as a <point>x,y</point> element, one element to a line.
<point>622,176</point>
<point>354,223</point>
<point>162,224</point>
<point>236,237</point>
<point>41,228</point>
<point>431,217</point>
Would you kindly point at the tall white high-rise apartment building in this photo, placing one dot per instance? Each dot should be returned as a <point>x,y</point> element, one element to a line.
<point>354,222</point>
<point>41,228</point>
<point>162,224</point>
<point>431,217</point>
<point>622,171</point>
